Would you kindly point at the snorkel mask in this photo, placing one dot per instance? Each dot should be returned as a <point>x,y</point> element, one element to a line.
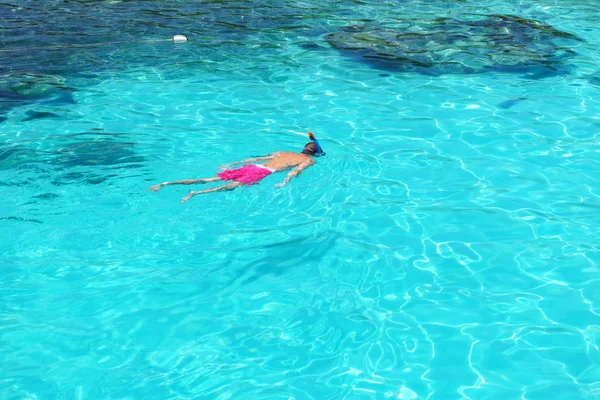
<point>320,151</point>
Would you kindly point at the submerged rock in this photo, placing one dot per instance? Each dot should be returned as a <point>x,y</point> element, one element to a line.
<point>85,153</point>
<point>96,152</point>
<point>446,45</point>
<point>48,90</point>
<point>32,86</point>
<point>33,115</point>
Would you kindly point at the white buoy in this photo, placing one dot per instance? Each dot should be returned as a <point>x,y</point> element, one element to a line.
<point>179,39</point>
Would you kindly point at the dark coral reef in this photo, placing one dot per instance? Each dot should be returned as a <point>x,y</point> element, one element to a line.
<point>445,45</point>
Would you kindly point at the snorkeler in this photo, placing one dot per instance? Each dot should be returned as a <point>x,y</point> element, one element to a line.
<point>251,174</point>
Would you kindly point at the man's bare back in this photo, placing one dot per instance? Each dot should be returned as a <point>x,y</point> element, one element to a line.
<point>252,173</point>
<point>286,160</point>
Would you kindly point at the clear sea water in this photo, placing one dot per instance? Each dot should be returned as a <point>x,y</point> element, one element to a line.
<point>445,248</point>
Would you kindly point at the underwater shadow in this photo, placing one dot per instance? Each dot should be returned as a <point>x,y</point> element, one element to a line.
<point>281,257</point>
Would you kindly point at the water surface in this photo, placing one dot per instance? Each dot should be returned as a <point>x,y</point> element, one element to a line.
<point>446,246</point>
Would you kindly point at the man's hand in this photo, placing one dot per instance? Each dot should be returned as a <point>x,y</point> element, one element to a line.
<point>156,188</point>
<point>295,172</point>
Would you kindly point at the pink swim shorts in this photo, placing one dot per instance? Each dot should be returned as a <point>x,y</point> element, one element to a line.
<point>248,174</point>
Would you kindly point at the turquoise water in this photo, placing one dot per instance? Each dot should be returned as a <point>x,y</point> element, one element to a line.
<point>445,248</point>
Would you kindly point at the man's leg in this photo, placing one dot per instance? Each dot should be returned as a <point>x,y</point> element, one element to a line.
<point>156,188</point>
<point>229,186</point>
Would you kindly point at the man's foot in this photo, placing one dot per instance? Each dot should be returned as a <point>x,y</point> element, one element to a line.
<point>189,196</point>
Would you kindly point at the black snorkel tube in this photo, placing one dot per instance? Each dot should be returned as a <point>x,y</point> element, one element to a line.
<point>320,151</point>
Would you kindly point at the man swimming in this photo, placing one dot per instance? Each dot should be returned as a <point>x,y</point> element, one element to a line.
<point>251,174</point>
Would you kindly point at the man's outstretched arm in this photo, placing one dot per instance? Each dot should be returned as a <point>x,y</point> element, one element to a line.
<point>295,172</point>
